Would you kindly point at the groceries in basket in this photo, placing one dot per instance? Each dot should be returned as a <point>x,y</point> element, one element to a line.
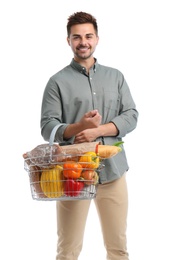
<point>66,172</point>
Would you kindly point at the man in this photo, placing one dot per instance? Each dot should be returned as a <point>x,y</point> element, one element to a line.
<point>91,102</point>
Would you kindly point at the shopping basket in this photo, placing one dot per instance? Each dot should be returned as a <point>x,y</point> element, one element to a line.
<point>62,176</point>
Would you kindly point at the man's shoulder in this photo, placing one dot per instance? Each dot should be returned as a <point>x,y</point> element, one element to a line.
<point>61,72</point>
<point>109,69</point>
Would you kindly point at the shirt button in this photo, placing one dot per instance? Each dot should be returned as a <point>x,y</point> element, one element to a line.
<point>90,78</point>
<point>94,93</point>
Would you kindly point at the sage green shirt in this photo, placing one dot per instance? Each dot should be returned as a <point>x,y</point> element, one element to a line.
<point>71,92</point>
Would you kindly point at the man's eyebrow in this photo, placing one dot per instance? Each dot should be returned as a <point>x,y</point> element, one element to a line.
<point>75,34</point>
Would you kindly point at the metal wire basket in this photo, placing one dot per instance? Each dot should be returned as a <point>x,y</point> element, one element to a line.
<point>67,180</point>
<point>62,176</point>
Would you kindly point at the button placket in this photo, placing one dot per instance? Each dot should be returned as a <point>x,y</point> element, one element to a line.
<point>93,90</point>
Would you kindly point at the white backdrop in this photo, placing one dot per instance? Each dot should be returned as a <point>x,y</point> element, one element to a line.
<point>140,38</point>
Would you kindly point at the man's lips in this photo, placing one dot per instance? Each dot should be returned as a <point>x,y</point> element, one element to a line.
<point>82,49</point>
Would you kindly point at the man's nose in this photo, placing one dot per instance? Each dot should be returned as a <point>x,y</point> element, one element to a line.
<point>83,40</point>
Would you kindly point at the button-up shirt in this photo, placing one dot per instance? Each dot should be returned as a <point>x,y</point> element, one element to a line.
<point>72,92</point>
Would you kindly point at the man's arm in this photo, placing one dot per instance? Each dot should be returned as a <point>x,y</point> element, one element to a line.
<point>90,120</point>
<point>89,135</point>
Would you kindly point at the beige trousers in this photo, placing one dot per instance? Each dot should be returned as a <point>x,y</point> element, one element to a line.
<point>111,204</point>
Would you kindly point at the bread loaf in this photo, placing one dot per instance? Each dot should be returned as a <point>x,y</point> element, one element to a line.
<point>107,151</point>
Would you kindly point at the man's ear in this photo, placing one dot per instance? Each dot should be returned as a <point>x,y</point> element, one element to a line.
<point>97,39</point>
<point>68,40</point>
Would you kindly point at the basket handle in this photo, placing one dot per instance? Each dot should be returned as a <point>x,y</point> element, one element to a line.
<point>52,135</point>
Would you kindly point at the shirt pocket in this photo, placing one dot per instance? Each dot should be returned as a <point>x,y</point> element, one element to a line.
<point>111,101</point>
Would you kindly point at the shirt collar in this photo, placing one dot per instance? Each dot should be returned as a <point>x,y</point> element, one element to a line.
<point>82,69</point>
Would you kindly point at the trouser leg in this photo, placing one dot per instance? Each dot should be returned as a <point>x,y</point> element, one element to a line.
<point>112,204</point>
<point>71,220</point>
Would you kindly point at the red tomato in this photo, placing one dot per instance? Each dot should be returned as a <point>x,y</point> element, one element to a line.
<point>90,177</point>
<point>72,170</point>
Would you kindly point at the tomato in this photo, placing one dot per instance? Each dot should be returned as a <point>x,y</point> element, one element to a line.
<point>90,177</point>
<point>72,169</point>
<point>89,160</point>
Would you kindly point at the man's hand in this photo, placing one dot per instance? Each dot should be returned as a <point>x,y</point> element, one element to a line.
<point>91,119</point>
<point>88,135</point>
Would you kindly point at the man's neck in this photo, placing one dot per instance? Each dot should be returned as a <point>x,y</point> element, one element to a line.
<point>88,63</point>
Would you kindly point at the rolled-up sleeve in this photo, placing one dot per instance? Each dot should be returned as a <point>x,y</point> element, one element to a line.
<point>51,111</point>
<point>126,121</point>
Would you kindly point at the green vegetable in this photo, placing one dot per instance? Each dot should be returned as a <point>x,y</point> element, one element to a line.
<point>118,143</point>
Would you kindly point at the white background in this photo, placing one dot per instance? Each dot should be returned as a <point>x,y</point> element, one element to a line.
<point>140,38</point>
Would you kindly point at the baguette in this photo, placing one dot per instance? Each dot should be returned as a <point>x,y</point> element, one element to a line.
<point>107,151</point>
<point>43,155</point>
<point>75,149</point>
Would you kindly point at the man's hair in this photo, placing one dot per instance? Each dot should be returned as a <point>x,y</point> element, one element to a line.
<point>80,18</point>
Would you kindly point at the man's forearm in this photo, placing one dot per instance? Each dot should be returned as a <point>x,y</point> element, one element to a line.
<point>108,129</point>
<point>72,130</point>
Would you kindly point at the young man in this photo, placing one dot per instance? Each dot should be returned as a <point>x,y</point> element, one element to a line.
<point>91,102</point>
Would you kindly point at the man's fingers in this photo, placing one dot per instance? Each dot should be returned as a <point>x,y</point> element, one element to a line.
<point>91,113</point>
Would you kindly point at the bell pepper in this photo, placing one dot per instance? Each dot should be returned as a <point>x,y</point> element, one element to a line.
<point>89,160</point>
<point>51,182</point>
<point>72,170</point>
<point>72,187</point>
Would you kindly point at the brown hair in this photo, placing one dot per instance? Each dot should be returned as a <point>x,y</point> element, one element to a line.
<point>80,18</point>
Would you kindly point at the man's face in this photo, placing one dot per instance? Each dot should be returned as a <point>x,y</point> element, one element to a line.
<point>83,41</point>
